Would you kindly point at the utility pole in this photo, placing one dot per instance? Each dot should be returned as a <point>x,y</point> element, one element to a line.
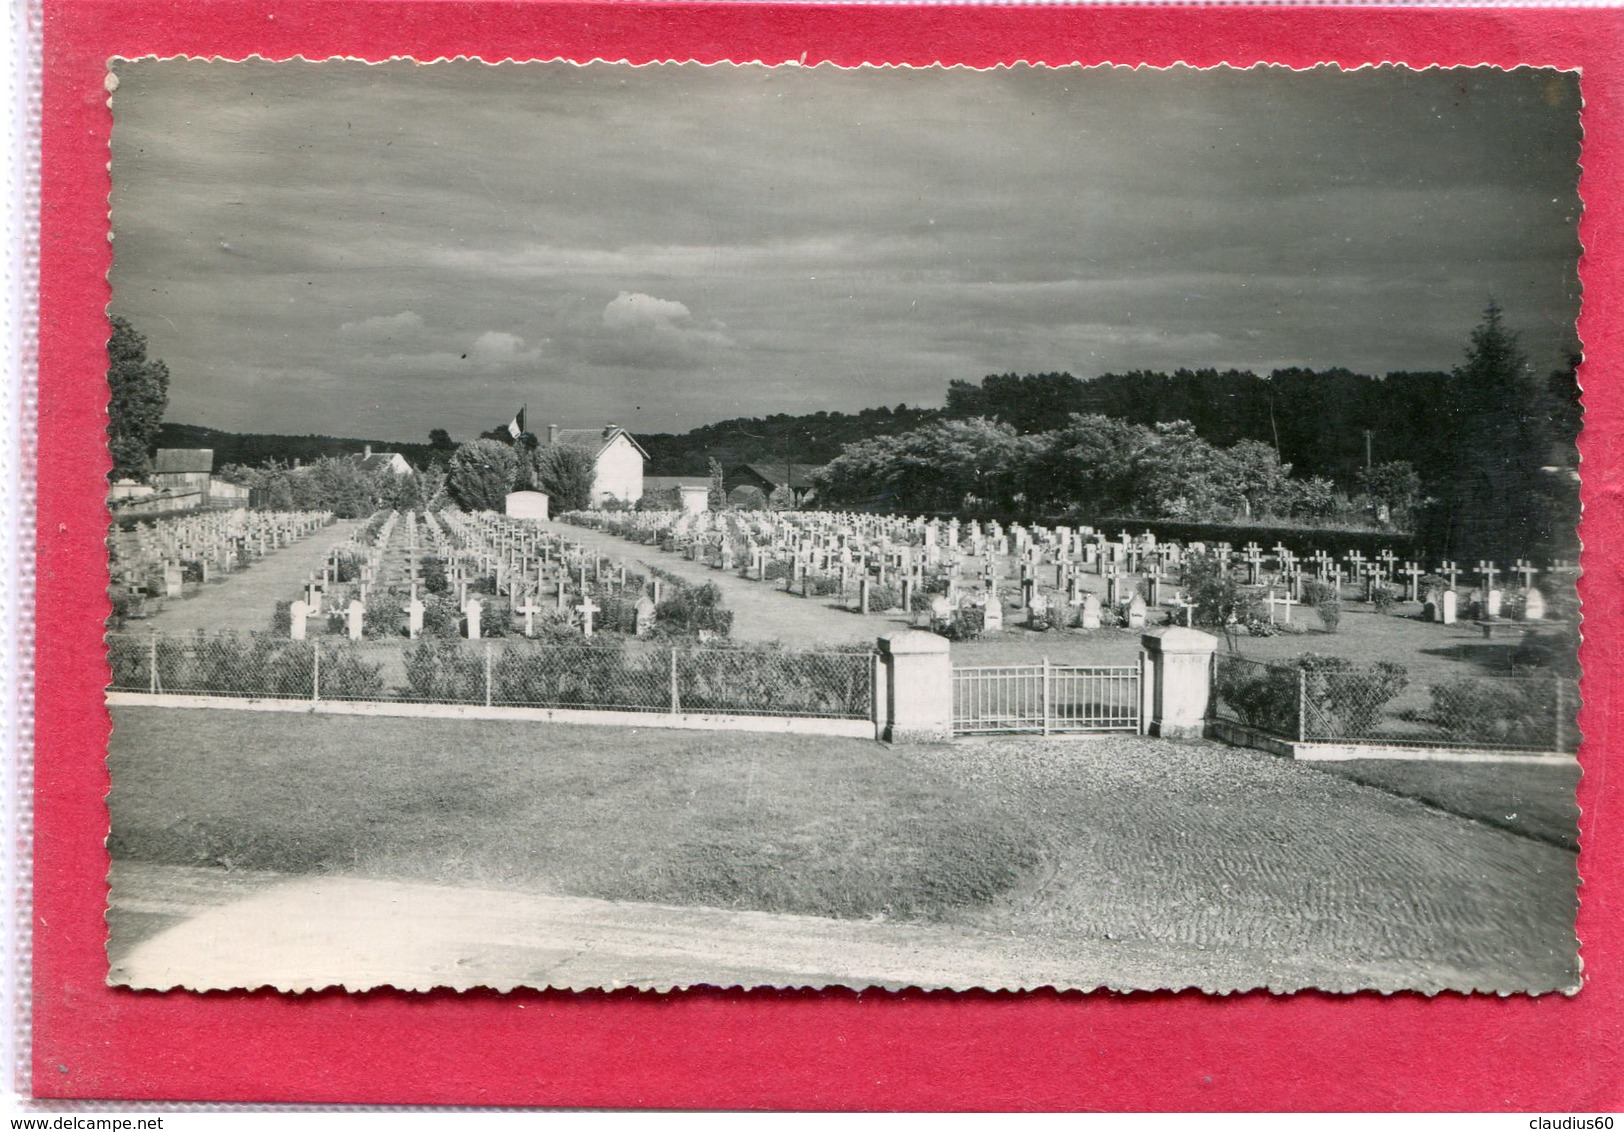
<point>1368,433</point>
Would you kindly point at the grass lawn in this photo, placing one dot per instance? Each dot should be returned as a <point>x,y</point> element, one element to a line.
<point>1531,799</point>
<point>1430,652</point>
<point>828,827</point>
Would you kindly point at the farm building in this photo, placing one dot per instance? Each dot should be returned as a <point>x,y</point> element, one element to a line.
<point>767,477</point>
<point>617,458</point>
<point>371,461</point>
<point>692,493</point>
<point>183,469</point>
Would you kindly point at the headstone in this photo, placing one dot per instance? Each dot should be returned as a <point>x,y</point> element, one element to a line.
<point>1037,609</point>
<point>473,613</point>
<point>1447,607</point>
<point>1534,606</point>
<point>993,618</point>
<point>356,617</point>
<point>1091,612</point>
<point>1136,612</point>
<point>1492,602</point>
<point>297,612</point>
<point>414,618</point>
<point>645,616</point>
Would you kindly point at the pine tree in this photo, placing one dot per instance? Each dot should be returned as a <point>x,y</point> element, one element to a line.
<point>140,394</point>
<point>717,497</point>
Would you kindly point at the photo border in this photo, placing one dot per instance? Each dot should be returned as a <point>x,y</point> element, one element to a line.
<point>831,1049</point>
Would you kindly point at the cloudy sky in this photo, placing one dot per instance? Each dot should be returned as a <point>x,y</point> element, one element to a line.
<point>378,250</point>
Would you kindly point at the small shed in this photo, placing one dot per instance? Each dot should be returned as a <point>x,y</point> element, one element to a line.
<point>526,505</point>
<point>691,493</point>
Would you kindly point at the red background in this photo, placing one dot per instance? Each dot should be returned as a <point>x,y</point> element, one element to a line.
<point>771,1049</point>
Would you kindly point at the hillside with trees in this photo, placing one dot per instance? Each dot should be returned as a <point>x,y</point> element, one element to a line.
<point>259,448</point>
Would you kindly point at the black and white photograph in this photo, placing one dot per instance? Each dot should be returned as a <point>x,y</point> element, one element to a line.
<point>588,526</point>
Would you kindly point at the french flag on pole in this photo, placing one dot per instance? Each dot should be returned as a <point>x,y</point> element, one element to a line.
<point>516,425</point>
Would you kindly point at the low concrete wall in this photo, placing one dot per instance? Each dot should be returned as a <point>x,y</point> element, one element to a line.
<point>1240,735</point>
<point>771,724</point>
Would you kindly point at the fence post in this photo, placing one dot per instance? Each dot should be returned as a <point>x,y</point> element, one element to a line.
<point>1302,706</point>
<point>487,674</point>
<point>919,695</point>
<point>152,664</point>
<point>1180,664</point>
<point>315,672</point>
<point>1558,699</point>
<point>676,703</point>
<point>1048,697</point>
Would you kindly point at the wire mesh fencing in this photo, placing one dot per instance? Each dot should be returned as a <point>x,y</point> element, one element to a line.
<point>1325,699</point>
<point>499,673</point>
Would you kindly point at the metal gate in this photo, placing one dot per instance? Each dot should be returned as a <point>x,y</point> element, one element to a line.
<point>1045,699</point>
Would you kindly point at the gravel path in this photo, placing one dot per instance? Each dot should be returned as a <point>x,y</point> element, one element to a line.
<point>1212,849</point>
<point>763,611</point>
<point>245,599</point>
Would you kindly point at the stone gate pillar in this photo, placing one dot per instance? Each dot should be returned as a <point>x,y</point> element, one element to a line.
<point>918,674</point>
<point>1175,682</point>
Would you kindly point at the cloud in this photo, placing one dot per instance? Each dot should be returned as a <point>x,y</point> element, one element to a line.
<point>498,346</point>
<point>631,310</point>
<point>657,331</point>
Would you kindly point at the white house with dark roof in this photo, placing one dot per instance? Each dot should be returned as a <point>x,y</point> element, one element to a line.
<point>617,459</point>
<point>371,461</point>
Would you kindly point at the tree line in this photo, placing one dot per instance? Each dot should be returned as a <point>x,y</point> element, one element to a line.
<point>1479,460</point>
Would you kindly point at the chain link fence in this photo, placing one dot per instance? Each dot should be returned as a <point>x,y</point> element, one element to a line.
<point>501,673</point>
<point>1381,704</point>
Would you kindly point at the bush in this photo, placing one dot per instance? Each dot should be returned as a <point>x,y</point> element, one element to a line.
<point>1348,700</point>
<point>1214,590</point>
<point>1263,696</point>
<point>344,675</point>
<point>384,616</point>
<point>441,670</point>
<point>966,624</point>
<point>441,617</point>
<point>1383,598</point>
<point>495,617</point>
<point>124,605</point>
<point>1330,613</point>
<point>821,585</point>
<point>282,619</point>
<point>882,598</point>
<point>1315,591</point>
<point>347,566</point>
<point>434,577</point>
<point>688,610</point>
<point>1343,699</point>
<point>1510,713</point>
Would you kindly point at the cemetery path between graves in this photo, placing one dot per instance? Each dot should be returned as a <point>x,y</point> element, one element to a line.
<point>763,611</point>
<point>244,600</point>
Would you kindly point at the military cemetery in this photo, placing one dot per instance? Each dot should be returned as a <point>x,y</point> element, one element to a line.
<point>1161,678</point>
